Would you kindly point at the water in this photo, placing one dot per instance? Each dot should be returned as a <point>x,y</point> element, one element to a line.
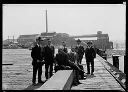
<point>19,75</point>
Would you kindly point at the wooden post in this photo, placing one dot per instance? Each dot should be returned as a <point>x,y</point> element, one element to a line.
<point>116,61</point>
<point>125,65</point>
<point>13,39</point>
<point>8,39</point>
<point>104,57</point>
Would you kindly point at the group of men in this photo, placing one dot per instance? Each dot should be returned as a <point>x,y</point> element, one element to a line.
<point>42,55</point>
<point>62,60</point>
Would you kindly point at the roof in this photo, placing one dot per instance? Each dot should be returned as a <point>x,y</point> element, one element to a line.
<point>28,36</point>
<point>9,40</point>
<point>48,34</point>
<point>103,35</point>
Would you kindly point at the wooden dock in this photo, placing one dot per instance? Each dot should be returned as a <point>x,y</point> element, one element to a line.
<point>101,80</point>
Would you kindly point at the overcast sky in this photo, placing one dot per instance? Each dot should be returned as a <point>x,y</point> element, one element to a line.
<point>80,19</point>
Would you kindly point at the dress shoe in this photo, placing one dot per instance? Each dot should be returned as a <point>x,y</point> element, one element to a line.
<point>87,73</point>
<point>33,84</point>
<point>92,74</point>
<point>40,81</point>
<point>79,82</point>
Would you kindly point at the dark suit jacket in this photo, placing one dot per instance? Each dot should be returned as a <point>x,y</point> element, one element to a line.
<point>48,53</point>
<point>61,59</point>
<point>80,50</point>
<point>65,49</point>
<point>90,53</point>
<point>36,54</point>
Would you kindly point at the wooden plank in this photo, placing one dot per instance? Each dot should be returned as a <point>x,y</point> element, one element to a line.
<point>101,80</point>
<point>61,80</point>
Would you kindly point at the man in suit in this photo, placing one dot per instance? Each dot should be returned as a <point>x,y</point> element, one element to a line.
<point>64,47</point>
<point>62,59</point>
<point>63,62</point>
<point>90,54</point>
<point>36,55</point>
<point>48,53</point>
<point>80,51</point>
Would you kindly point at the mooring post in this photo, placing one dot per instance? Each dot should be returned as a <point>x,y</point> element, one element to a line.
<point>115,60</point>
<point>125,64</point>
<point>104,55</point>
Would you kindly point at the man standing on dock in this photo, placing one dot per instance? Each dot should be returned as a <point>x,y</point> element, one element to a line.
<point>64,47</point>
<point>90,54</point>
<point>36,55</point>
<point>80,51</point>
<point>49,59</point>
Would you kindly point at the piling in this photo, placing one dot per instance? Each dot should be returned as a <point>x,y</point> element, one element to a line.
<point>125,64</point>
<point>115,60</point>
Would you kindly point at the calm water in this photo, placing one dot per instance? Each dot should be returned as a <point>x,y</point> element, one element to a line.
<point>18,76</point>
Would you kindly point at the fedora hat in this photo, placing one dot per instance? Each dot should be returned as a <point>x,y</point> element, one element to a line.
<point>39,39</point>
<point>78,40</point>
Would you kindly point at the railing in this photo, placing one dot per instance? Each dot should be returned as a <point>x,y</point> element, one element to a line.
<point>115,72</point>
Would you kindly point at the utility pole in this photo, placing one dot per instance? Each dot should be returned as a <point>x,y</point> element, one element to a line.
<point>8,39</point>
<point>13,38</point>
<point>46,23</point>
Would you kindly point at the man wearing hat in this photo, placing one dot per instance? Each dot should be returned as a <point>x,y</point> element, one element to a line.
<point>80,51</point>
<point>90,54</point>
<point>64,47</point>
<point>49,59</point>
<point>36,55</point>
<point>62,62</point>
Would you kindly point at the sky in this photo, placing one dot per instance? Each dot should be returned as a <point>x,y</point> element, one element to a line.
<point>74,19</point>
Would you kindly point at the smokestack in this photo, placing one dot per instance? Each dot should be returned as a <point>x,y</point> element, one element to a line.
<point>46,23</point>
<point>8,39</point>
<point>13,39</point>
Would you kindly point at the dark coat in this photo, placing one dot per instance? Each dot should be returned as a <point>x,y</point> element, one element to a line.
<point>36,54</point>
<point>65,50</point>
<point>48,53</point>
<point>72,56</point>
<point>90,53</point>
<point>79,50</point>
<point>61,59</point>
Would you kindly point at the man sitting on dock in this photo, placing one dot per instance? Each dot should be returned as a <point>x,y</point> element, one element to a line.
<point>62,61</point>
<point>73,58</point>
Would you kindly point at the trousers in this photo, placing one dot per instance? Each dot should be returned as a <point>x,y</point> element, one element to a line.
<point>48,70</point>
<point>90,62</point>
<point>37,67</point>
